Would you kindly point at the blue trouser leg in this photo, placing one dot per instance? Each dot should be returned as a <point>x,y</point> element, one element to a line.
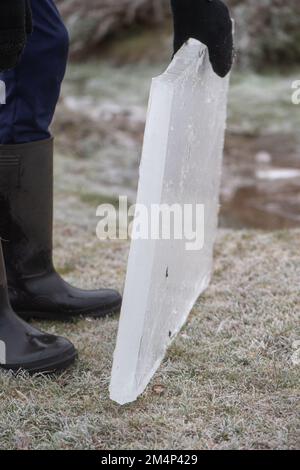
<point>33,87</point>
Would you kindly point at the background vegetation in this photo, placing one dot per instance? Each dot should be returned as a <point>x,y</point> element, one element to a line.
<point>267,31</point>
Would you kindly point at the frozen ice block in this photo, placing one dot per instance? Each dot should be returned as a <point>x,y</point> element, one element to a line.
<point>181,164</point>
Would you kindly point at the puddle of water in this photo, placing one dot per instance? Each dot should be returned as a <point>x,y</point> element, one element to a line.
<point>259,190</point>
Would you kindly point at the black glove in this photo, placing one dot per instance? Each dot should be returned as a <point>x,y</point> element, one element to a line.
<point>15,25</point>
<point>208,21</point>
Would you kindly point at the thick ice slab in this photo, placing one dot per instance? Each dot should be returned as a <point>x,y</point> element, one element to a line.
<point>181,163</point>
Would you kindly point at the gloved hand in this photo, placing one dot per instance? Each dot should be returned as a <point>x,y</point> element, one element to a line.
<point>15,25</point>
<point>208,21</point>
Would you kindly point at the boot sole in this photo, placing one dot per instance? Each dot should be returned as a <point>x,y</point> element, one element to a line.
<point>51,368</point>
<point>65,317</point>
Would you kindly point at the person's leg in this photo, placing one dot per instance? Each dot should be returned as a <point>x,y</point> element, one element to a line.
<point>26,180</point>
<point>33,87</point>
<point>26,116</point>
<point>23,347</point>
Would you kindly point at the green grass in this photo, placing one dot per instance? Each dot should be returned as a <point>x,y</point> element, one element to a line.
<point>228,381</point>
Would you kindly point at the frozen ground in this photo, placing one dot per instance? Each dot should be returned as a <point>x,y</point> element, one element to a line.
<point>230,380</point>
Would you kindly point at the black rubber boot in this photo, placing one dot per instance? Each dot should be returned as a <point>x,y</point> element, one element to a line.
<point>26,207</point>
<point>23,347</point>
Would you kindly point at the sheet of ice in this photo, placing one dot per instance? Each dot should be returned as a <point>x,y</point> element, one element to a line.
<point>181,163</point>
